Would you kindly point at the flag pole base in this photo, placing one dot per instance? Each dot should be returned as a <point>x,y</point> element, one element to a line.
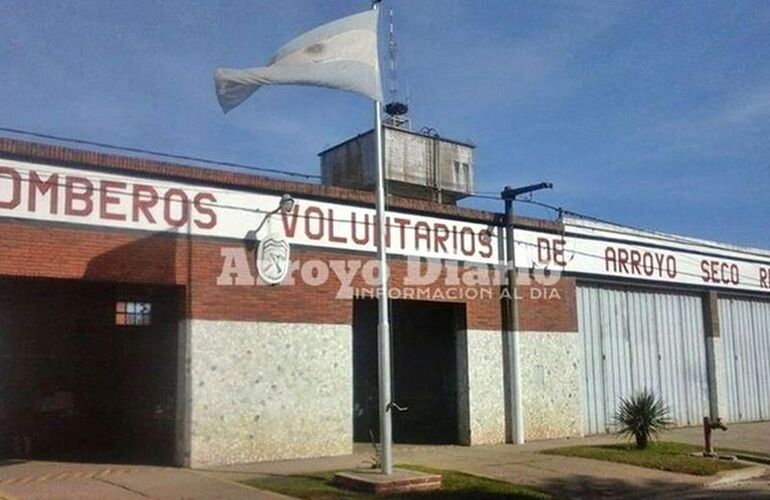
<point>400,481</point>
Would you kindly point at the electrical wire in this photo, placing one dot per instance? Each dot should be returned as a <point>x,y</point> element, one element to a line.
<point>481,194</point>
<point>666,237</point>
<point>490,195</point>
<point>492,235</point>
<point>367,221</point>
<point>159,153</point>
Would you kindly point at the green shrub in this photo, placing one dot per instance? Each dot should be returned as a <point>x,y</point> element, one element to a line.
<point>642,416</point>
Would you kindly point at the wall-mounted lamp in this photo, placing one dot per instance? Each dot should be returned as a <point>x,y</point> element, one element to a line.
<point>286,203</point>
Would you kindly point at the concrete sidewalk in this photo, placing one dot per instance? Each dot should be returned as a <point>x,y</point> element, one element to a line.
<point>562,476</point>
<point>753,437</point>
<point>65,481</point>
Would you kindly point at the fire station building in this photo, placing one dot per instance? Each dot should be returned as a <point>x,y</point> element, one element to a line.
<point>165,313</point>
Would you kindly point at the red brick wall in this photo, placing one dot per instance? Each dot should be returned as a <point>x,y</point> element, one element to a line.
<point>58,251</point>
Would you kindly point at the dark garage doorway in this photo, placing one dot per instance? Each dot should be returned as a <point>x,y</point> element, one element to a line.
<point>88,370</point>
<point>424,371</point>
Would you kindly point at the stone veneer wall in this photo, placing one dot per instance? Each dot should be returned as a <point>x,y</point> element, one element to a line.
<point>481,393</point>
<point>550,382</point>
<point>269,391</point>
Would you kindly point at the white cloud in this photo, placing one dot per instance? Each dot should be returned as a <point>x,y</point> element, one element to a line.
<point>749,107</point>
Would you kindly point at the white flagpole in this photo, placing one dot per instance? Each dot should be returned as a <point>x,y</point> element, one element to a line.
<point>383,326</point>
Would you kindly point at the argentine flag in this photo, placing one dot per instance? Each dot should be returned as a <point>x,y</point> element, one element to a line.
<point>339,55</point>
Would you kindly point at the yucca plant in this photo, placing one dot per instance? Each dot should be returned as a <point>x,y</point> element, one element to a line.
<point>642,416</point>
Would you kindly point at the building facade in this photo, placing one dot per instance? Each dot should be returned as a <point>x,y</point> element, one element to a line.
<point>138,311</point>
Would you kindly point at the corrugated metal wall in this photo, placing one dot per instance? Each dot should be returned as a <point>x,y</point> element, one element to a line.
<point>634,339</point>
<point>745,331</point>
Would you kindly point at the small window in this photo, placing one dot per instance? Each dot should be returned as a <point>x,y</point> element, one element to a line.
<point>133,313</point>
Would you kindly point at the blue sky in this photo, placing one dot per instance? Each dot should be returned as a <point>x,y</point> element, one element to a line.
<point>654,114</point>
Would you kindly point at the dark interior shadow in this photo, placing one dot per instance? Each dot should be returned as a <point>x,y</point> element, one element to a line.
<point>89,365</point>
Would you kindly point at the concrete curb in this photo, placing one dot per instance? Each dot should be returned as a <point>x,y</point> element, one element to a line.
<point>746,457</point>
<point>734,476</point>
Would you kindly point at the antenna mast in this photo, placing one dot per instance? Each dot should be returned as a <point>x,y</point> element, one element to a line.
<point>395,109</point>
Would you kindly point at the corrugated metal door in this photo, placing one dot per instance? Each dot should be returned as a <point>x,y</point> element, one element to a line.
<point>745,330</point>
<point>634,339</point>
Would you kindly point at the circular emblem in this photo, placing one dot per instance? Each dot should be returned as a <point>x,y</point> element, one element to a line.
<point>273,259</point>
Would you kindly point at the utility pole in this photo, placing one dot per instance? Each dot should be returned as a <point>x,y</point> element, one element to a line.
<point>508,195</point>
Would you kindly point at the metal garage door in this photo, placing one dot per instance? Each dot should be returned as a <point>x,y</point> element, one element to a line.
<point>745,330</point>
<point>634,339</point>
